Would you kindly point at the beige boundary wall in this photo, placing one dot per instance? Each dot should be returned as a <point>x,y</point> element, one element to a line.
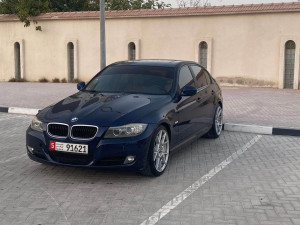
<point>239,45</point>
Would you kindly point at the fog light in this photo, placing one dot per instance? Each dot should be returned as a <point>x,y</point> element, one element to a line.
<point>129,159</point>
<point>30,149</point>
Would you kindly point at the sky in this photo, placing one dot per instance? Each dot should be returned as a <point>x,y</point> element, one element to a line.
<point>234,2</point>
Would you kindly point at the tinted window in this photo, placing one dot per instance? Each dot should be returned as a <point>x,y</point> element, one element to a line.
<point>133,79</point>
<point>207,77</point>
<point>201,76</point>
<point>186,78</point>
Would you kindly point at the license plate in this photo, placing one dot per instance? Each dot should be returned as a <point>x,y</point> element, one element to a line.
<point>68,147</point>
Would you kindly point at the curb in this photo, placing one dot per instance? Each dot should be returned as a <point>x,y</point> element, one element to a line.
<point>267,130</point>
<point>261,129</point>
<point>17,110</point>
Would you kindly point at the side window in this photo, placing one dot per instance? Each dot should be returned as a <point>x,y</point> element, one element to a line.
<point>201,76</point>
<point>208,77</point>
<point>186,78</point>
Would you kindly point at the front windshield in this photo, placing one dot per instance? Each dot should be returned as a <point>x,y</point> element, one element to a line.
<point>151,80</point>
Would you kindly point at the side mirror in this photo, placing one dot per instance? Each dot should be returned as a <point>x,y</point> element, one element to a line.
<point>189,91</point>
<point>80,86</point>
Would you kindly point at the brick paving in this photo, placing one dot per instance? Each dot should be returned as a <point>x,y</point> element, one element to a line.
<point>33,95</point>
<point>262,106</point>
<point>258,106</point>
<point>260,187</point>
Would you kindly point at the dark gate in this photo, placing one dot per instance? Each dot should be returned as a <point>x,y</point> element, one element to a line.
<point>17,60</point>
<point>203,54</point>
<point>289,64</point>
<point>70,61</point>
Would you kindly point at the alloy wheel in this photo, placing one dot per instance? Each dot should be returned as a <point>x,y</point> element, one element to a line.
<point>161,150</point>
<point>219,120</point>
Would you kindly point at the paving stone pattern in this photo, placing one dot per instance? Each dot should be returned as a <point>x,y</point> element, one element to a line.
<point>262,106</point>
<point>260,187</point>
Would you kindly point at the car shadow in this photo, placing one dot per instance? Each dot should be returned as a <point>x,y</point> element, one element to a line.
<point>192,161</point>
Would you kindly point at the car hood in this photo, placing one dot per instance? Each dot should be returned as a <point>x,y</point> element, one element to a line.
<point>103,109</point>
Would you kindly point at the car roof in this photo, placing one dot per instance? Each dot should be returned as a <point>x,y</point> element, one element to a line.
<point>154,62</point>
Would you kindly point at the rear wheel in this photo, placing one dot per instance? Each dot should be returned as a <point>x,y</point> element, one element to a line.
<point>159,152</point>
<point>217,126</point>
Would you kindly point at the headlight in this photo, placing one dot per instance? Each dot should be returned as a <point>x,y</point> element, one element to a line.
<point>36,124</point>
<point>129,130</point>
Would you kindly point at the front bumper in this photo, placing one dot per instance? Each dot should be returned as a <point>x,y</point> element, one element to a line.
<point>103,153</point>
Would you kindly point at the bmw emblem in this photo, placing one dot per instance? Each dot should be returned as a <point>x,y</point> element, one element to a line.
<point>74,119</point>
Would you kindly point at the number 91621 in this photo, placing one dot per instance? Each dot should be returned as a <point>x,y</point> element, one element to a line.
<point>68,147</point>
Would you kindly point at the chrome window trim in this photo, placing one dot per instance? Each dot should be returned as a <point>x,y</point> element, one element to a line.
<point>203,88</point>
<point>83,125</point>
<point>59,137</point>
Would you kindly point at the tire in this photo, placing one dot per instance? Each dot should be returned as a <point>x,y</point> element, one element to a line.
<point>158,154</point>
<point>217,126</point>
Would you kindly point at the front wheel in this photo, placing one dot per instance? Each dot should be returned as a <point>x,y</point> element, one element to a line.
<point>159,152</point>
<point>217,126</point>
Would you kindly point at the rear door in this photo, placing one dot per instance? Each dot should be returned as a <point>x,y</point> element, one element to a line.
<point>205,98</point>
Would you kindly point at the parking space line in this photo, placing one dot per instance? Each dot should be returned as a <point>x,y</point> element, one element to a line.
<point>163,211</point>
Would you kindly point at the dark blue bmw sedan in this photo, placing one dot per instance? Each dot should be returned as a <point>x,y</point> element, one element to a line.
<point>130,115</point>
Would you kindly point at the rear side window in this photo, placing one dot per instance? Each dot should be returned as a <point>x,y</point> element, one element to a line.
<point>201,75</point>
<point>186,78</point>
<point>207,77</point>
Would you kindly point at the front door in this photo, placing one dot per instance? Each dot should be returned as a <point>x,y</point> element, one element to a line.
<point>187,108</point>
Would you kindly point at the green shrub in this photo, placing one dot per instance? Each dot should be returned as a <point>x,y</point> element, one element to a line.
<point>63,80</point>
<point>76,80</point>
<point>55,80</point>
<point>17,80</point>
<point>230,81</point>
<point>43,80</point>
<point>240,81</point>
